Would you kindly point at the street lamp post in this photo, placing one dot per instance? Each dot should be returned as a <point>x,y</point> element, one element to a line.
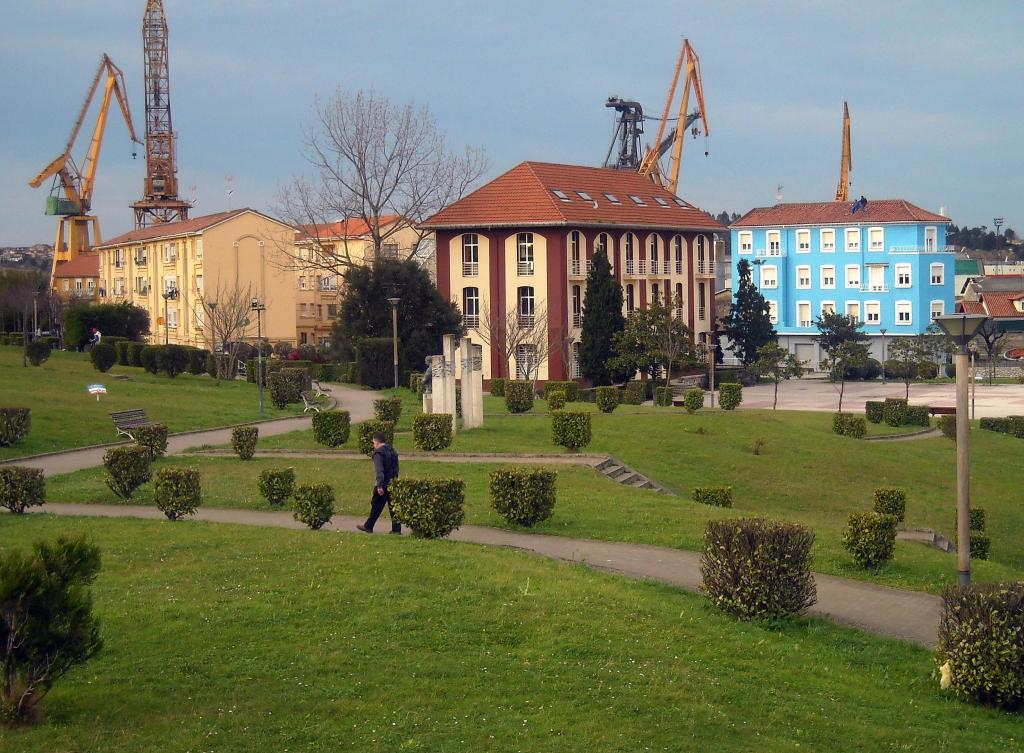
<point>35,313</point>
<point>259,308</point>
<point>883,330</point>
<point>973,347</point>
<point>168,295</point>
<point>394,335</point>
<point>711,366</point>
<point>962,328</point>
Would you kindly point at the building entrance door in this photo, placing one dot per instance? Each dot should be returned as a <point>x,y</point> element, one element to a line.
<point>805,352</point>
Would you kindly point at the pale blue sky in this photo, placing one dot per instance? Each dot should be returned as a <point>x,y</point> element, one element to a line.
<point>934,90</point>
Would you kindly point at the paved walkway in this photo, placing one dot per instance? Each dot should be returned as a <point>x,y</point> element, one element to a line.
<point>359,403</point>
<point>588,461</point>
<point>889,612</point>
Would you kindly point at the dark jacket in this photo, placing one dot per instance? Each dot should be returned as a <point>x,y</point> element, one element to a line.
<point>385,465</point>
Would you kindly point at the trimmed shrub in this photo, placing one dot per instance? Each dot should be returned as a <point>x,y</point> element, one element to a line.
<point>135,353</point>
<point>387,409</point>
<point>123,352</point>
<point>103,356</point>
<point>431,507</point>
<point>432,431</point>
<point>555,398</point>
<point>754,568</point>
<point>172,360</point>
<point>730,396</point>
<point>663,396</point>
<point>948,425</point>
<point>569,387</point>
<point>634,393</point>
<point>693,400</point>
<point>981,642</point>
<point>1016,426</point>
<point>366,430</point>
<point>153,437</point>
<point>331,427</point>
<point>1001,425</point>
<point>950,370</point>
<point>607,398</point>
<point>150,359</point>
<point>14,425</point>
<point>927,370</point>
<point>871,538</point>
<point>977,518</point>
<point>523,496</point>
<point>917,415</point>
<point>891,502</point>
<point>324,372</point>
<point>313,505</point>
<point>894,411</point>
<point>415,380</point>
<point>497,387</point>
<point>277,485</point>
<point>458,401</point>
<point>127,469</point>
<point>177,491</point>
<point>244,439</point>
<point>570,429</point>
<point>197,359</point>
<point>849,425</point>
<point>873,411</point>
<point>286,386</point>
<point>21,488</point>
<point>716,496</point>
<point>37,351</point>
<point>374,366</point>
<point>980,544</point>
<point>518,396</point>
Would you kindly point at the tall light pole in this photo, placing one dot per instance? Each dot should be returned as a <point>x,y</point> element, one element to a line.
<point>962,328</point>
<point>259,308</point>
<point>998,222</point>
<point>35,313</point>
<point>883,330</point>
<point>394,335</point>
<point>973,347</point>
<point>711,366</point>
<point>168,295</point>
<point>212,305</point>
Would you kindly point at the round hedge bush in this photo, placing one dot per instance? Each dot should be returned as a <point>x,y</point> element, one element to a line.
<point>277,484</point>
<point>555,398</point>
<point>21,488</point>
<point>313,504</point>
<point>331,428</point>
<point>177,491</point>
<point>570,429</point>
<point>730,396</point>
<point>172,360</point>
<point>498,387</point>
<point>103,356</point>
<point>518,396</point>
<point>432,431</point>
<point>634,393</point>
<point>431,507</point>
<point>523,496</point>
<point>366,430</point>
<point>153,437</point>
<point>891,502</point>
<point>871,538</point>
<point>37,351</point>
<point>14,425</point>
<point>244,439</point>
<point>127,468</point>
<point>149,358</point>
<point>387,409</point>
<point>693,400</point>
<point>607,398</point>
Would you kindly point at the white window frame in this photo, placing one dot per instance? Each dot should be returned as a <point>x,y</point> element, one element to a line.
<point>808,322</point>
<point>854,233</point>
<point>867,312</point>
<point>931,238</point>
<point>773,312</point>
<point>803,236</point>
<point>821,308</point>
<point>825,284</point>
<point>769,237</point>
<point>199,249</point>
<point>472,321</point>
<point>847,281</point>
<point>909,307</point>
<point>856,315</point>
<point>881,288</point>
<point>470,254</point>
<point>745,241</point>
<point>525,254</point>
<point>872,246</point>
<point>772,282</point>
<point>827,240</point>
<point>905,269</point>
<point>172,317</point>
<point>799,284</point>
<point>942,273</point>
<point>941,306</point>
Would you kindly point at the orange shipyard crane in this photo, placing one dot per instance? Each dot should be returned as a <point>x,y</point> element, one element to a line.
<point>685,121</point>
<point>842,190</point>
<point>71,195</point>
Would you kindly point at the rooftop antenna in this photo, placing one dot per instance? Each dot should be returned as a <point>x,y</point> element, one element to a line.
<point>778,194</point>
<point>229,188</point>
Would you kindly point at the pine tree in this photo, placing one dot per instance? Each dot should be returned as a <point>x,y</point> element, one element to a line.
<point>749,324</point>
<point>602,319</point>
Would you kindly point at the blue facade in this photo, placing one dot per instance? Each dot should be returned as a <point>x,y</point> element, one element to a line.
<point>894,276</point>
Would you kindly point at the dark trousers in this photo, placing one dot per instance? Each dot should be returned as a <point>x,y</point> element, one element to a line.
<point>377,503</point>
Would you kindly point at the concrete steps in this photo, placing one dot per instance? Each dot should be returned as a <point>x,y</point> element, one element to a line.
<point>620,473</point>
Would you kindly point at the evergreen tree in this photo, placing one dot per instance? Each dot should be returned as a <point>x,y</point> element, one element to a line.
<point>602,319</point>
<point>749,324</point>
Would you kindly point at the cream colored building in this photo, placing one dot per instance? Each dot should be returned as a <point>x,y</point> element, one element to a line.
<point>203,258</point>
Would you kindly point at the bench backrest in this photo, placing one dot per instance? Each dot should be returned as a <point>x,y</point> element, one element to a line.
<point>128,417</point>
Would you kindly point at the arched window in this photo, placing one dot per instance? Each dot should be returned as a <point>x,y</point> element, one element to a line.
<point>470,255</point>
<point>525,305</point>
<point>655,293</point>
<point>524,250</point>
<point>677,249</point>
<point>577,306</point>
<point>652,245</point>
<point>678,302</point>
<point>575,252</point>
<point>471,307</point>
<point>627,244</point>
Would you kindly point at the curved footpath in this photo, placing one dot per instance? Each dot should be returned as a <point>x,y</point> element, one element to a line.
<point>890,612</point>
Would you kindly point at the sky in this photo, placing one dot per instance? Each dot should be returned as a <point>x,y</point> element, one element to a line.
<point>934,90</point>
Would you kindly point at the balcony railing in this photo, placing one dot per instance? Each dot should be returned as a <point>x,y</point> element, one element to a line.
<point>524,268</point>
<point>667,267</point>
<point>655,266</point>
<point>141,261</point>
<point>577,320</point>
<point>706,267</point>
<point>642,267</point>
<point>144,290</point>
<point>526,320</point>
<point>804,323</point>
<point>679,267</point>
<point>629,267</point>
<point>471,268</point>
<point>875,289</point>
<point>574,268</point>
<point>702,313</point>
<point>771,252</point>
<point>590,265</point>
<point>931,249</point>
<point>472,321</point>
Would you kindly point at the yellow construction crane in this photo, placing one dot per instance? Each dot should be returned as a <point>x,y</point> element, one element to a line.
<point>842,190</point>
<point>71,195</point>
<point>685,122</point>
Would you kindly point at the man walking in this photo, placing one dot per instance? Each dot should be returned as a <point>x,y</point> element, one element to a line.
<point>385,465</point>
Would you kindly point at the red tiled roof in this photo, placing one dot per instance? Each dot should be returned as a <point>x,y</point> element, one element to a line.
<point>970,307</point>
<point>168,229</point>
<point>837,213</point>
<point>351,228</point>
<point>86,265</point>
<point>524,196</point>
<point>1001,304</point>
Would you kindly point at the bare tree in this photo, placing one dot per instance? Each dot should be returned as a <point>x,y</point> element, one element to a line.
<point>226,312</point>
<point>992,340</point>
<point>383,164</point>
<point>517,332</point>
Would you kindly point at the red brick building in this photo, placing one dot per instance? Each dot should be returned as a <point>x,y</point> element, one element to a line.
<point>522,244</point>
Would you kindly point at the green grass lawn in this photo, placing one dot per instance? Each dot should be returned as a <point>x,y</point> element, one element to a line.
<point>227,638</point>
<point>64,415</point>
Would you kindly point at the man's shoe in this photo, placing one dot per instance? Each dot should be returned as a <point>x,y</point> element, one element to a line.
<point>364,529</point>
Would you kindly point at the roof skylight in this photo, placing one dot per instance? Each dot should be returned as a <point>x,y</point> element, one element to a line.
<point>612,198</point>
<point>661,201</point>
<point>584,195</point>
<point>560,194</point>
<point>637,200</point>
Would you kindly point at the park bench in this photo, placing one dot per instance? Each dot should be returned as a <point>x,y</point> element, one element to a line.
<point>311,402</point>
<point>320,391</point>
<point>942,410</point>
<point>127,420</point>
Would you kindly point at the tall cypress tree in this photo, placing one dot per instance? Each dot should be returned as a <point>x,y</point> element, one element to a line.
<point>749,324</point>
<point>602,319</point>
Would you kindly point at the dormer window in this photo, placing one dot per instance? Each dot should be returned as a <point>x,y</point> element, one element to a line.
<point>561,195</point>
<point>612,198</point>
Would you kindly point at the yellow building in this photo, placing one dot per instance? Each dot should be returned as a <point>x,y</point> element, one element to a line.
<point>203,259</point>
<point>77,279</point>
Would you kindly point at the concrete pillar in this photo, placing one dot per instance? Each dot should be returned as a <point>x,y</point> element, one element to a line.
<point>434,401</point>
<point>449,350</point>
<point>466,373</point>
<point>478,385</point>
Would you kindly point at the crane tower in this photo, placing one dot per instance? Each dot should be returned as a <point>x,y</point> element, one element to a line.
<point>160,202</point>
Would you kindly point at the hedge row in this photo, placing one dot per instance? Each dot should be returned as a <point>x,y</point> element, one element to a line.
<point>849,425</point>
<point>1012,425</point>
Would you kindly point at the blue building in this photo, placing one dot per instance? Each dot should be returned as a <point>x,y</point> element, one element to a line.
<point>887,265</point>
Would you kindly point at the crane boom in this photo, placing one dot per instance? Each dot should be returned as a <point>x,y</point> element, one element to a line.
<point>846,162</point>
